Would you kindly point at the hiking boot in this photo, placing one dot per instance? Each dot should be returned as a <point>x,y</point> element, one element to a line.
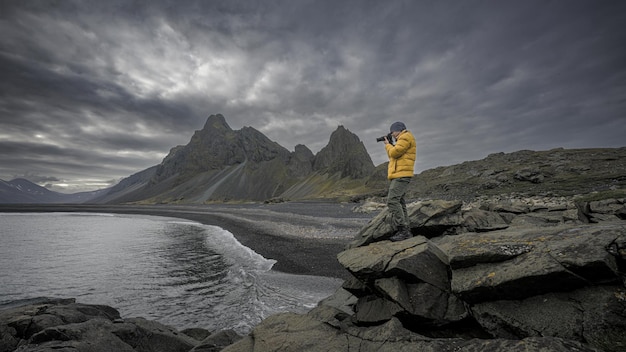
<point>402,234</point>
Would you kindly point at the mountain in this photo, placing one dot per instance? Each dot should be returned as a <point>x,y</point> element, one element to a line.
<point>21,190</point>
<point>221,164</point>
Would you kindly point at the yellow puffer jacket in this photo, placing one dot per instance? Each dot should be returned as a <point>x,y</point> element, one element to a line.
<point>401,156</point>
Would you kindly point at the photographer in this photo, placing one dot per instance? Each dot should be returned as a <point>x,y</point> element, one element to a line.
<point>400,171</point>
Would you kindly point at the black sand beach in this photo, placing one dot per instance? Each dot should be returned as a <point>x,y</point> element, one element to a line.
<point>304,238</point>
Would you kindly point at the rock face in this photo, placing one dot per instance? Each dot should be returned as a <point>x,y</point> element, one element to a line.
<point>538,275</point>
<point>220,164</point>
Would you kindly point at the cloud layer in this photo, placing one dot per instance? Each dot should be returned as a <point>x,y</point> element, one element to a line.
<point>95,91</point>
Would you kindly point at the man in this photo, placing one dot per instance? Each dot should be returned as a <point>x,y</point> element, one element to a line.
<point>400,171</point>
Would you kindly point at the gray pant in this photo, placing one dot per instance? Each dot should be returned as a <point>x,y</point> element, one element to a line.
<point>396,203</point>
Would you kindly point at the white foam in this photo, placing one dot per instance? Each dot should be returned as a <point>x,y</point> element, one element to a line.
<point>235,252</point>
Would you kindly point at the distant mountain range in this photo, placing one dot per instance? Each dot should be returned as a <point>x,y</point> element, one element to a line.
<point>20,190</point>
<point>220,165</point>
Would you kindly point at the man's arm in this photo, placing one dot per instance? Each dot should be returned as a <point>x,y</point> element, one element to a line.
<point>396,151</point>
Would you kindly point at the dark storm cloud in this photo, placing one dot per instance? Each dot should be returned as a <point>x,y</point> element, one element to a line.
<point>107,88</point>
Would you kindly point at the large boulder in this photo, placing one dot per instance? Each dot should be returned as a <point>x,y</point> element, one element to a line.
<point>406,279</point>
<point>514,264</point>
<point>591,314</point>
<point>49,325</point>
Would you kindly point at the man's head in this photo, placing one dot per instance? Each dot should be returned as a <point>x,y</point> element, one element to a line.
<point>397,127</point>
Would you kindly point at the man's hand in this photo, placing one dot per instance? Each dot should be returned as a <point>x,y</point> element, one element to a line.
<point>386,141</point>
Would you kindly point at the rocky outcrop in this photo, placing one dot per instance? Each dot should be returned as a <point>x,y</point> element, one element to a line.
<point>562,172</point>
<point>496,275</point>
<point>64,325</point>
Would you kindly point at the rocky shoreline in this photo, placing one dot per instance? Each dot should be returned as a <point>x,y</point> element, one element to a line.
<point>492,275</point>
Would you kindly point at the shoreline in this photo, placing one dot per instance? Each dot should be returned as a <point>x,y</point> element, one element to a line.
<point>303,238</point>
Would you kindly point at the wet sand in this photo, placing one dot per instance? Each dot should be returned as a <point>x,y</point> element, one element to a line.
<point>304,237</point>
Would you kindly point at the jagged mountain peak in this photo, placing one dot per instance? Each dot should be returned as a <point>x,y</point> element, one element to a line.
<point>340,131</point>
<point>257,147</point>
<point>304,151</point>
<point>221,163</point>
<point>216,122</point>
<point>346,154</point>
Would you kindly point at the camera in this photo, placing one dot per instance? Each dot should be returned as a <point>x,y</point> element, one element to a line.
<point>382,139</point>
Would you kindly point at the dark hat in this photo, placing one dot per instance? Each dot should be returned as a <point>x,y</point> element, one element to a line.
<point>397,127</point>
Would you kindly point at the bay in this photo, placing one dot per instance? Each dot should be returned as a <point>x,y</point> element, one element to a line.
<point>180,273</point>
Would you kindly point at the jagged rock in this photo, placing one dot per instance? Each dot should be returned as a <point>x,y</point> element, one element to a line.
<point>509,283</point>
<point>342,300</point>
<point>374,309</point>
<point>407,278</point>
<point>592,314</point>
<point>433,218</point>
<point>46,313</point>
<point>427,218</point>
<point>331,331</point>
<point>517,265</point>
<point>63,325</point>
<point>415,259</point>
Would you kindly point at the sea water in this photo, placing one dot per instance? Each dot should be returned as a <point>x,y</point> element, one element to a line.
<point>180,273</point>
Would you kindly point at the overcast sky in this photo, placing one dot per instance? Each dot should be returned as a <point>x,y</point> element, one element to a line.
<point>93,91</point>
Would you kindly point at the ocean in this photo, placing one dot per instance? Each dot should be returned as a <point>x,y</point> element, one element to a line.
<point>177,272</point>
